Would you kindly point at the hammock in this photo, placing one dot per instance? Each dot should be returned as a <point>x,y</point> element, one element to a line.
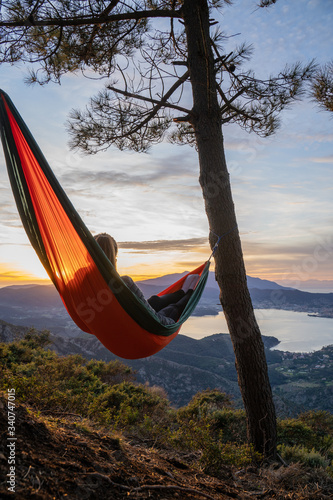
<point>92,291</point>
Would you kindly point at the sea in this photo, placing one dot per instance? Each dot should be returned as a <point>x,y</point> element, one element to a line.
<point>296,331</point>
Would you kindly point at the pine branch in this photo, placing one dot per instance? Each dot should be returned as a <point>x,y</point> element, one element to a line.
<point>106,11</point>
<point>159,103</point>
<point>82,21</point>
<point>229,106</point>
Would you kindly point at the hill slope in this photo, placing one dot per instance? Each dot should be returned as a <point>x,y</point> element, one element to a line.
<point>186,366</point>
<point>60,456</point>
<point>85,430</point>
<point>65,458</point>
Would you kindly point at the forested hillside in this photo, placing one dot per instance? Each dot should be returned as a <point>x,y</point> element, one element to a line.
<point>300,381</point>
<point>88,429</point>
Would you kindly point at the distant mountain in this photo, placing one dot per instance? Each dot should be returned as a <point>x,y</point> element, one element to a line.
<point>30,296</point>
<point>167,280</point>
<point>260,284</point>
<point>209,303</point>
<point>40,305</point>
<point>313,286</point>
<point>46,296</point>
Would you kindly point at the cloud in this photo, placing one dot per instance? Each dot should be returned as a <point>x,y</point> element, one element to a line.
<point>310,138</point>
<point>15,244</point>
<point>298,261</point>
<point>13,275</point>
<point>187,265</point>
<point>190,244</point>
<point>322,159</point>
<point>125,170</point>
<point>9,276</point>
<point>105,178</point>
<point>301,247</point>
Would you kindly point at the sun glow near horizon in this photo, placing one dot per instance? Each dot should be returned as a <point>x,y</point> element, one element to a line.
<point>153,265</point>
<point>139,266</point>
<point>19,276</point>
<point>151,259</point>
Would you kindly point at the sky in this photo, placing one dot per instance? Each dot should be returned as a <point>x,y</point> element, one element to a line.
<point>152,203</point>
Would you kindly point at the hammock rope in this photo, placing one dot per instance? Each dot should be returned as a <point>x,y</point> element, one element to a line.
<point>219,238</point>
<point>91,289</point>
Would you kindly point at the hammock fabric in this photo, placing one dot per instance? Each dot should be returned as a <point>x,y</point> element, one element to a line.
<point>91,289</point>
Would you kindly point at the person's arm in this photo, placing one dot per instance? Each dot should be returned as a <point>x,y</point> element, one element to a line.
<point>133,287</point>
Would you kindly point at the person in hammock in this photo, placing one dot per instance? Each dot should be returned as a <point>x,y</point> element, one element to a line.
<point>168,307</point>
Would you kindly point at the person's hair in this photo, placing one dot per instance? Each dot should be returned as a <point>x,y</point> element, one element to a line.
<point>108,245</point>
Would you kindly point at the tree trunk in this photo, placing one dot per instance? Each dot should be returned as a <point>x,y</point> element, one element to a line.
<point>230,270</point>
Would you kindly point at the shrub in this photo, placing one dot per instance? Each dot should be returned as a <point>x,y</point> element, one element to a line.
<point>231,424</point>
<point>204,403</point>
<point>198,436</point>
<point>110,373</point>
<point>51,382</point>
<point>321,424</point>
<point>312,430</point>
<point>208,424</point>
<point>127,404</point>
<point>300,454</point>
<point>294,432</point>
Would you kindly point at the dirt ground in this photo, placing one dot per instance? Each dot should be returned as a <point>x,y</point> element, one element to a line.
<point>63,457</point>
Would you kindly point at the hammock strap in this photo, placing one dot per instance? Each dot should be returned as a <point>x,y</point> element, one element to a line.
<point>219,238</point>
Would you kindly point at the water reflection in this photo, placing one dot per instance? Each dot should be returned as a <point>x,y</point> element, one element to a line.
<point>296,331</point>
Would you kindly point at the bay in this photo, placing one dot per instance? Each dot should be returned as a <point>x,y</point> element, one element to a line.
<point>296,331</point>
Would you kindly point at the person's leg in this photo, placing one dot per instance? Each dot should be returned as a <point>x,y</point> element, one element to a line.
<point>160,302</point>
<point>163,301</point>
<point>170,312</point>
<point>174,311</point>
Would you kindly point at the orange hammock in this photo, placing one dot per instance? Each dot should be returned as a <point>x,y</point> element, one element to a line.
<point>92,291</point>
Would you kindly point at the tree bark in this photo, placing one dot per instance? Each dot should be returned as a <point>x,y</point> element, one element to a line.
<point>230,271</point>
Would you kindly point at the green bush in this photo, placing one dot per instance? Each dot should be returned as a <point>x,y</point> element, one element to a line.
<point>300,454</point>
<point>321,424</point>
<point>110,373</point>
<point>312,430</point>
<point>127,404</point>
<point>208,424</point>
<point>198,436</point>
<point>295,432</point>
<point>232,425</point>
<point>204,403</point>
<point>50,382</point>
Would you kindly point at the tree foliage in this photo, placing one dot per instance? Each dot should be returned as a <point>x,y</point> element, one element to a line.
<point>145,98</point>
<point>322,87</point>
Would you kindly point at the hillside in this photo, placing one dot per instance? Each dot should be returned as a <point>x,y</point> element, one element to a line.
<point>186,366</point>
<point>85,430</point>
<point>66,457</point>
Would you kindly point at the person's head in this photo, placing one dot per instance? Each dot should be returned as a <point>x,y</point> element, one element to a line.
<point>109,246</point>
